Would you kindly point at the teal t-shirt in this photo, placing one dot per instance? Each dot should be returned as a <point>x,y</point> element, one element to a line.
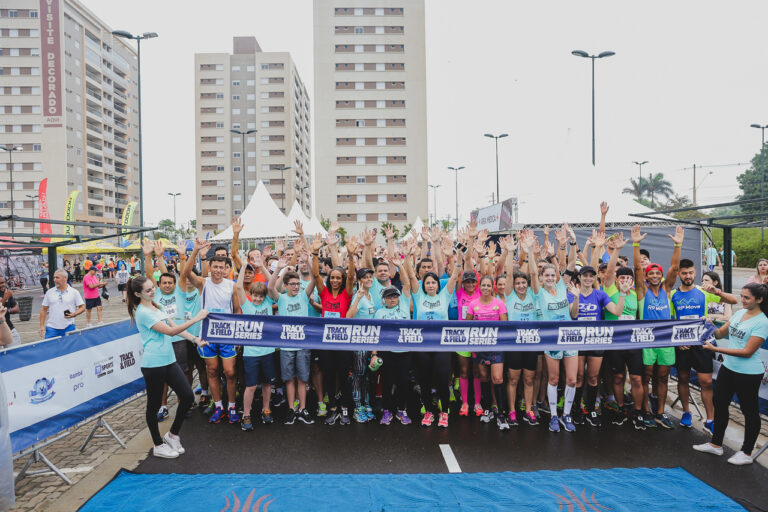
<point>265,308</point>
<point>524,310</point>
<point>738,335</point>
<point>192,306</point>
<point>375,291</point>
<point>293,306</point>
<point>365,308</point>
<point>402,311</point>
<point>431,308</point>
<point>315,297</point>
<point>158,350</point>
<point>173,304</point>
<point>554,308</point>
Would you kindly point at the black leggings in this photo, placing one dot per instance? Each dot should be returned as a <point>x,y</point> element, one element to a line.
<point>746,387</point>
<point>337,365</point>
<point>434,370</point>
<point>156,378</point>
<point>395,373</point>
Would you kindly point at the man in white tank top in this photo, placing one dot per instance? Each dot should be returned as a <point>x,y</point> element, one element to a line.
<point>218,296</point>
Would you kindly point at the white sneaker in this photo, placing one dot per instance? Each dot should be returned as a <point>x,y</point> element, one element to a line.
<point>740,459</point>
<point>88,326</point>
<point>164,451</point>
<point>174,443</point>
<point>100,323</point>
<point>708,448</point>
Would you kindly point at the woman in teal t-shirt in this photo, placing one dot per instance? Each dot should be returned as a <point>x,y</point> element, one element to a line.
<point>741,372</point>
<point>158,363</point>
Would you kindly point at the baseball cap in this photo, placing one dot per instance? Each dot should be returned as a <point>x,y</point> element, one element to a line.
<point>653,266</point>
<point>390,291</point>
<point>468,276</point>
<point>363,272</point>
<point>586,269</point>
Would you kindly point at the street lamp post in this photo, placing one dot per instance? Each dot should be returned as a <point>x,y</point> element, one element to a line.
<point>640,165</point>
<point>496,138</point>
<point>33,197</point>
<point>581,53</point>
<point>762,179</point>
<point>173,195</point>
<point>138,38</point>
<point>301,195</point>
<point>434,202</point>
<point>10,149</point>
<point>282,170</point>
<point>242,136</point>
<point>456,171</point>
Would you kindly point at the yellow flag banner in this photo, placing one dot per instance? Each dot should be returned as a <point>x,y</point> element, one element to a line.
<point>127,219</point>
<point>69,212</point>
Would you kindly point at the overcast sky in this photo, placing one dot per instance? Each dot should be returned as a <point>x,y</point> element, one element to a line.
<point>687,80</point>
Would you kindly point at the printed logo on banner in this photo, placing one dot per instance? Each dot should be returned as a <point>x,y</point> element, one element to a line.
<point>483,335</point>
<point>236,329</point>
<point>292,332</point>
<point>642,335</point>
<point>599,336</point>
<point>127,360</point>
<point>528,336</point>
<point>686,333</point>
<point>410,336</point>
<point>571,335</point>
<point>455,336</point>
<point>334,333</point>
<point>104,367</point>
<point>76,380</point>
<point>41,391</point>
<point>220,328</point>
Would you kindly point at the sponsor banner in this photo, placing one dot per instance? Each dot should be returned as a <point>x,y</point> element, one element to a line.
<point>127,218</point>
<point>42,193</point>
<point>354,334</point>
<point>69,212</point>
<point>50,51</point>
<point>497,217</point>
<point>55,384</point>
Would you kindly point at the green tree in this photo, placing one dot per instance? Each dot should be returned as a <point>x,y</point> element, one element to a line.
<point>391,226</point>
<point>447,224</point>
<point>658,188</point>
<point>166,229</point>
<point>406,229</point>
<point>637,187</point>
<point>326,223</point>
<point>678,201</point>
<point>754,182</point>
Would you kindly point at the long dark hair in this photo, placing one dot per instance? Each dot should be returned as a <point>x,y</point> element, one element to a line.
<point>433,276</point>
<point>135,285</point>
<point>715,277</point>
<point>343,279</point>
<point>759,291</point>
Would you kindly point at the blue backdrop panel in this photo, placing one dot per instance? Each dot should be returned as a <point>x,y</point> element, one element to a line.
<point>628,490</point>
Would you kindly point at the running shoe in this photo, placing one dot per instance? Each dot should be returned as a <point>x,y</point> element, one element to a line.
<point>512,421</point>
<point>217,416</point>
<point>332,417</point>
<point>648,420</point>
<point>305,417</point>
<point>664,420</point>
<point>266,417</point>
<point>344,417</point>
<point>202,404</point>
<point>175,444</point>
<point>740,459</point>
<point>709,427</point>
<point>464,411</point>
<point>611,406</point>
<point>628,400</point>
<point>577,414</point>
<point>386,418</point>
<point>708,448</point>
<point>501,422</point>
<point>487,416</point>
<point>359,415</point>
<point>536,413</point>
<point>232,415</point>
<point>685,421</point>
<point>402,417</point>
<point>164,451</point>
<point>369,413</point>
<point>322,410</point>
<point>479,410</point>
<point>290,417</point>
<point>162,413</point>
<point>542,406</point>
<point>198,390</point>
<point>530,418</point>
<point>554,424</point>
<point>522,407</point>
<point>277,399</point>
<point>246,425</point>
<point>443,421</point>
<point>567,422</point>
<point>427,420</point>
<point>593,419</point>
<point>638,422</point>
<point>620,417</point>
<point>210,407</point>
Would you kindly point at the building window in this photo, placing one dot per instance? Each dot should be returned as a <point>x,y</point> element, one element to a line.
<point>360,179</point>
<point>236,154</point>
<point>235,97</point>
<point>235,68</point>
<point>235,82</point>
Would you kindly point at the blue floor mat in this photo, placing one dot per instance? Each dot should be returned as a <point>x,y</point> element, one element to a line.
<point>594,490</point>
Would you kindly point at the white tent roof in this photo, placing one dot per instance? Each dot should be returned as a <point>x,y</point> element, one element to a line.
<point>261,218</point>
<point>297,213</point>
<point>314,226</point>
<point>417,225</point>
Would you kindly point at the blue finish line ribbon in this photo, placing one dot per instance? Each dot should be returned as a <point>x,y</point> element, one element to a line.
<point>448,336</point>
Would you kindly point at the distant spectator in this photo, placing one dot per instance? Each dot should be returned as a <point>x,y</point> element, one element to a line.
<point>721,258</point>
<point>761,272</point>
<point>12,307</point>
<point>92,286</point>
<point>61,305</point>
<point>44,277</point>
<point>711,255</point>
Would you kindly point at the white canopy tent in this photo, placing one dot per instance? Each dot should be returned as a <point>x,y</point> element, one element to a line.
<point>311,226</point>
<point>417,225</point>
<point>262,219</point>
<point>314,226</point>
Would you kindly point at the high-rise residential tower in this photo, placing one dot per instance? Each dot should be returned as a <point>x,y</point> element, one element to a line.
<point>249,91</point>
<point>370,112</point>
<point>69,99</point>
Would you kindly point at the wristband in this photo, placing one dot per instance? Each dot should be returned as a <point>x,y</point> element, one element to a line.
<point>635,244</point>
<point>678,245</point>
<point>315,254</point>
<point>572,243</point>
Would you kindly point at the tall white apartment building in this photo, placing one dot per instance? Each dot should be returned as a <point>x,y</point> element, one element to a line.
<point>68,97</point>
<point>370,112</point>
<point>249,91</point>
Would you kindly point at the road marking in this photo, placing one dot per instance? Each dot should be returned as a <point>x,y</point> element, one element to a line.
<point>450,459</point>
<point>81,469</point>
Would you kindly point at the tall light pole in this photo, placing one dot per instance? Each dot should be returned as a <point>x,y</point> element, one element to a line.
<point>640,165</point>
<point>496,138</point>
<point>282,170</point>
<point>173,195</point>
<point>580,53</point>
<point>10,149</point>
<point>138,38</point>
<point>242,136</point>
<point>762,178</point>
<point>456,171</point>
<point>301,194</point>
<point>434,202</point>
<point>33,197</point>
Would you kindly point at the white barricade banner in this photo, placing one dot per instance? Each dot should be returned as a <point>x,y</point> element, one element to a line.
<point>55,384</point>
<point>763,392</point>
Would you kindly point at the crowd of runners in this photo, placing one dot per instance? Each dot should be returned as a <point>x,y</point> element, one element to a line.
<point>433,276</point>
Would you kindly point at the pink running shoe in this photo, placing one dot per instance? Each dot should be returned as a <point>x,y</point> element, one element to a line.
<point>479,410</point>
<point>428,419</point>
<point>464,411</point>
<point>443,422</point>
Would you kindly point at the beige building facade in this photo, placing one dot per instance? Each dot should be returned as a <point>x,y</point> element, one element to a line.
<point>370,112</point>
<point>249,91</point>
<point>69,98</point>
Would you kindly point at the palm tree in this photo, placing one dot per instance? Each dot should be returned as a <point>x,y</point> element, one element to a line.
<point>658,186</point>
<point>638,188</point>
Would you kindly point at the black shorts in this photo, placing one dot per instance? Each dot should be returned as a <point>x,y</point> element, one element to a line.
<point>180,350</point>
<point>516,360</point>
<point>121,287</point>
<point>592,353</point>
<point>92,303</point>
<point>695,357</point>
<point>632,359</point>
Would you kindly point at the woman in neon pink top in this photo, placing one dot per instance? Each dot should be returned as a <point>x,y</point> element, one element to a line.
<point>489,307</point>
<point>464,295</point>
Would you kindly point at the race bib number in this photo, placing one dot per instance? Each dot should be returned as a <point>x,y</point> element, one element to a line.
<point>626,317</point>
<point>332,314</point>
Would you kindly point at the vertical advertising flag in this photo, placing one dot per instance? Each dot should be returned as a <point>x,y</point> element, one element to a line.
<point>42,193</point>
<point>69,212</point>
<point>50,51</point>
<point>127,219</point>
